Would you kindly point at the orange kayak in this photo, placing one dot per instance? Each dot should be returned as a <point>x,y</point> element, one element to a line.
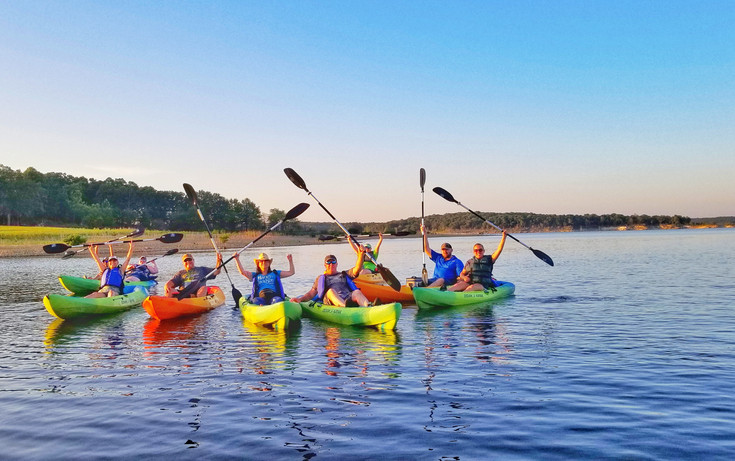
<point>162,307</point>
<point>374,287</point>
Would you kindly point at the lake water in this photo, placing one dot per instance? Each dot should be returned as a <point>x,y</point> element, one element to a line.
<point>624,350</point>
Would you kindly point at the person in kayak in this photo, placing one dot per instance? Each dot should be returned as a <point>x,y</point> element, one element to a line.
<point>111,280</point>
<point>368,266</point>
<point>191,274</point>
<point>141,272</point>
<point>447,267</point>
<point>337,288</point>
<point>477,274</point>
<point>267,286</point>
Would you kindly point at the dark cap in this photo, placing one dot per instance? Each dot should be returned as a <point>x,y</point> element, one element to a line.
<point>446,245</point>
<point>328,257</point>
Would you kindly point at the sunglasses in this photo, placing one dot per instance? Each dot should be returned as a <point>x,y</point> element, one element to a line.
<point>331,261</point>
<point>188,259</point>
<point>479,250</point>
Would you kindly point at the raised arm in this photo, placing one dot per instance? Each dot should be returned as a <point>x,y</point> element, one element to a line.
<point>355,271</point>
<point>94,251</point>
<point>377,247</point>
<point>246,273</point>
<point>499,249</point>
<point>127,257</point>
<point>291,271</point>
<point>427,249</point>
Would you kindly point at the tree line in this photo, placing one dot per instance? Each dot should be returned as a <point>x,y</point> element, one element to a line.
<point>34,198</point>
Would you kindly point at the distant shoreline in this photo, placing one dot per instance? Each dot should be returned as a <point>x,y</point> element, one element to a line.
<point>199,241</point>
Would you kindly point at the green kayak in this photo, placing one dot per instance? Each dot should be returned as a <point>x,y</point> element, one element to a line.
<point>278,316</point>
<point>382,317</point>
<point>81,286</point>
<point>71,306</point>
<point>429,298</point>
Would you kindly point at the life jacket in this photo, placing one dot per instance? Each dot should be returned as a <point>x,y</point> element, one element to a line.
<point>370,264</point>
<point>321,289</point>
<point>112,278</point>
<point>279,285</point>
<point>482,271</point>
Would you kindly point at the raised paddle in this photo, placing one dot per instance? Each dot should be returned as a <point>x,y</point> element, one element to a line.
<point>191,193</point>
<point>424,273</point>
<point>384,272</point>
<point>165,238</point>
<point>135,233</point>
<point>539,254</point>
<point>168,253</point>
<point>292,213</point>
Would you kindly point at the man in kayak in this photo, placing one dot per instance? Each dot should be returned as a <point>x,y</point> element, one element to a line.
<point>111,280</point>
<point>368,266</point>
<point>267,286</point>
<point>447,267</point>
<point>477,274</point>
<point>191,274</point>
<point>337,288</point>
<point>141,272</point>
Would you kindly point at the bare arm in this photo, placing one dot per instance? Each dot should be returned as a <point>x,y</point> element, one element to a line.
<point>377,247</point>
<point>305,297</point>
<point>127,258</point>
<point>499,249</point>
<point>247,274</point>
<point>94,252</point>
<point>355,271</point>
<point>291,271</point>
<point>427,249</point>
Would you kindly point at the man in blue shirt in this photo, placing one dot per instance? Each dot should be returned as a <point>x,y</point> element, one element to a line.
<point>447,267</point>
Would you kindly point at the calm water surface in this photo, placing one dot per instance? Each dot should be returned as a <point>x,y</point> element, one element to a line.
<point>624,350</point>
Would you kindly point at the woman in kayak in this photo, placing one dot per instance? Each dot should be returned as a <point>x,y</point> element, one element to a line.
<point>368,266</point>
<point>477,274</point>
<point>111,281</point>
<point>189,275</point>
<point>447,267</point>
<point>337,288</point>
<point>267,286</point>
<point>141,272</point>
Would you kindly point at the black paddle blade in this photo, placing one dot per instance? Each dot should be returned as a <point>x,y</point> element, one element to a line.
<point>191,193</point>
<point>389,278</point>
<point>170,252</point>
<point>69,254</point>
<point>296,211</point>
<point>444,194</point>
<point>543,257</point>
<point>171,238</point>
<point>55,248</point>
<point>136,233</point>
<point>422,178</point>
<point>401,233</point>
<point>236,295</point>
<point>295,178</point>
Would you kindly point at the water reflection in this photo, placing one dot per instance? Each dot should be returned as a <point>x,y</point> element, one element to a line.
<point>359,349</point>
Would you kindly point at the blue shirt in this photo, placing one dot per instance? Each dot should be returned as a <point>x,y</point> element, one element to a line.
<point>449,270</point>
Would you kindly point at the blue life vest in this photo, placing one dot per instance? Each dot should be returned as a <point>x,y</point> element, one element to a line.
<point>279,285</point>
<point>112,278</point>
<point>321,289</point>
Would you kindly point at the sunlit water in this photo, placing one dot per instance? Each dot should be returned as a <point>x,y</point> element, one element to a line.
<point>625,349</point>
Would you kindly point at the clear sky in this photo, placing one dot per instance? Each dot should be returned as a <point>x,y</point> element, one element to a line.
<point>537,106</point>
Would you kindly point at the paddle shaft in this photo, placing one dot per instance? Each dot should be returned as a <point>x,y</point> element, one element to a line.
<point>422,181</point>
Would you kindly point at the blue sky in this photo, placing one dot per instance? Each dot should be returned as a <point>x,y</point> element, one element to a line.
<point>540,106</point>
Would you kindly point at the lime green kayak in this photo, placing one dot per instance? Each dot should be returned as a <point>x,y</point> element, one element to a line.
<point>71,306</point>
<point>382,317</point>
<point>429,298</point>
<point>278,315</point>
<point>81,286</point>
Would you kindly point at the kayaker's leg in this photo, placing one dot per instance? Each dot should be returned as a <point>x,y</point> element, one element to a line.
<point>202,291</point>
<point>258,300</point>
<point>334,299</point>
<point>459,286</point>
<point>436,283</point>
<point>360,298</point>
<point>276,300</point>
<point>475,287</point>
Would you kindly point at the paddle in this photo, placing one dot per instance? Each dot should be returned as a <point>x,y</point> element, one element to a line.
<point>165,238</point>
<point>424,273</point>
<point>168,253</point>
<point>539,254</point>
<point>292,213</point>
<point>191,193</point>
<point>384,272</point>
<point>53,247</point>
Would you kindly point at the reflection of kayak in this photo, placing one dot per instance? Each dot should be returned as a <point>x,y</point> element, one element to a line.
<point>382,317</point>
<point>277,315</point>
<point>162,307</point>
<point>375,287</point>
<point>83,287</point>
<point>428,298</point>
<point>70,306</point>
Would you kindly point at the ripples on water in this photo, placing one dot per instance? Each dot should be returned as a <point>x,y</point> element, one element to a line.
<point>625,349</point>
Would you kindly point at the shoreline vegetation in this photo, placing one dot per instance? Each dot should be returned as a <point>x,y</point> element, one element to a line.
<point>21,241</point>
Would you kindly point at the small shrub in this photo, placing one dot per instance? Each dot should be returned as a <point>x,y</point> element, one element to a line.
<point>75,239</point>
